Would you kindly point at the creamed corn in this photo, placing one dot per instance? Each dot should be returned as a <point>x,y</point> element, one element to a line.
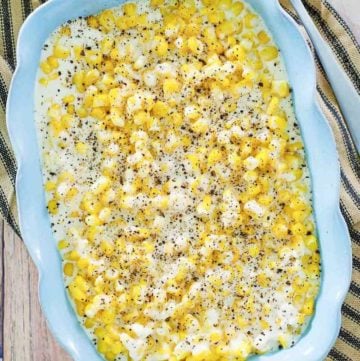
<point>176,182</point>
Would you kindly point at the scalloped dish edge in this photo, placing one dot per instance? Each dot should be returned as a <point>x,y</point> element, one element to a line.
<point>335,243</point>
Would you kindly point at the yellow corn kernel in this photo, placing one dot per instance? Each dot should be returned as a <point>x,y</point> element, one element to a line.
<point>224,4</point>
<point>252,190</point>
<point>276,122</point>
<point>83,263</point>
<point>308,308</point>
<point>78,81</point>
<point>192,29</point>
<point>66,176</point>
<point>53,76</point>
<point>283,341</point>
<point>71,193</point>
<point>265,200</point>
<point>162,46</point>
<point>195,45</point>
<point>70,109</point>
<point>171,86</point>
<point>91,77</point>
<point>235,160</point>
<point>176,119</point>
<point>231,41</point>
<point>280,88</point>
<point>63,244</point>
<point>236,8</point>
<point>298,229</point>
<point>263,37</point>
<point>108,81</point>
<point>262,280</point>
<point>115,97</point>
<point>93,57</point>
<point>264,324</point>
<point>102,346</point>
<point>273,106</point>
<point>106,45</point>
<point>105,214</point>
<point>76,293</point>
<point>81,112</point>
<point>43,81</point>
<point>129,9</point>
<point>254,250</point>
<point>117,347</point>
<point>92,22</point>
<point>311,242</point>
<point>225,29</point>
<point>216,17</point>
<point>68,99</point>
<point>92,220</point>
<point>98,113</point>
<point>68,269</point>
<point>269,53</point>
<point>108,316</point>
<point>91,232</point>
<point>50,186</point>
<point>214,156</point>
<point>236,52</point>
<point>61,52</point>
<point>280,230</point>
<point>101,100</point>
<point>200,126</point>
<point>74,256</point>
<point>89,322</point>
<point>299,216</point>
<point>156,3</point>
<point>192,112</point>
<point>106,247</point>
<point>160,109</point>
<point>81,147</point>
<point>53,62</point>
<point>45,67</point>
<point>78,52</point>
<point>250,20</point>
<point>106,20</point>
<point>65,30</point>
<point>216,47</point>
<point>52,206</point>
<point>263,157</point>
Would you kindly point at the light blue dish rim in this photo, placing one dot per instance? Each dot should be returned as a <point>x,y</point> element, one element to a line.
<point>321,154</point>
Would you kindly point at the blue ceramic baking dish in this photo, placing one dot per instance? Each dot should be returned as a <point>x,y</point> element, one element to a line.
<point>321,154</point>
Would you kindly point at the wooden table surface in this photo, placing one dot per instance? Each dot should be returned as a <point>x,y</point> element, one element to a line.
<point>24,335</point>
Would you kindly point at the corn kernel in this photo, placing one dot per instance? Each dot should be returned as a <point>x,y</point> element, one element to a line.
<point>308,308</point>
<point>280,88</point>
<point>68,269</point>
<point>171,86</point>
<point>52,206</point>
<point>53,62</point>
<point>311,242</point>
<point>200,126</point>
<point>81,147</point>
<point>45,67</point>
<point>61,52</point>
<point>63,244</point>
<point>273,106</point>
<point>269,53</point>
<point>237,8</point>
<point>162,46</point>
<point>236,52</point>
<point>160,109</point>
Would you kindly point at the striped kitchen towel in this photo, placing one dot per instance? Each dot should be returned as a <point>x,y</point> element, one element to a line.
<point>347,50</point>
